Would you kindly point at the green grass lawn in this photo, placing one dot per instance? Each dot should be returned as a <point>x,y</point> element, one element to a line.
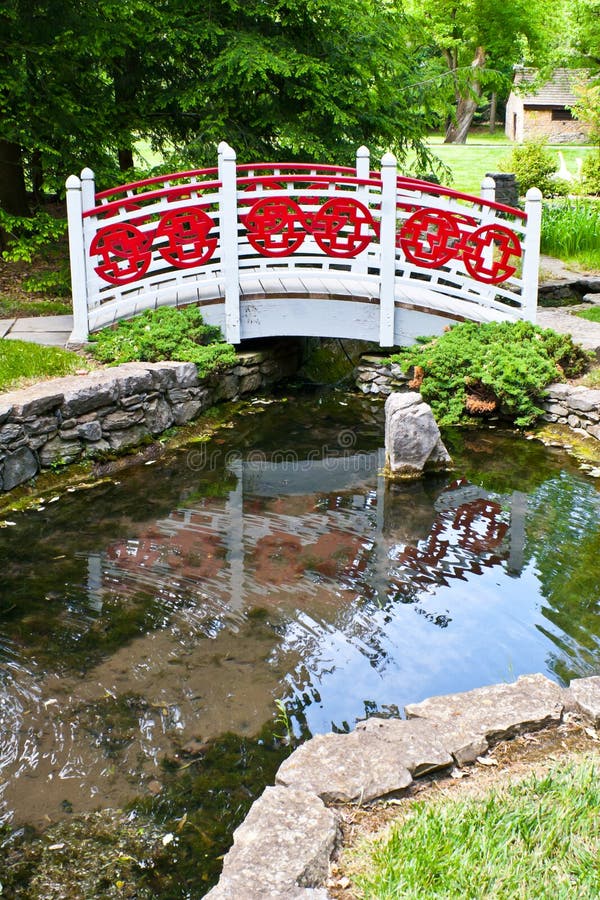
<point>539,838</point>
<point>12,308</point>
<point>21,361</point>
<point>468,163</point>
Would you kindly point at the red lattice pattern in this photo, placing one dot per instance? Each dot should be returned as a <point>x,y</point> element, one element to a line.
<point>480,252</point>
<point>429,237</point>
<point>124,251</point>
<point>275,227</point>
<point>341,227</point>
<point>188,243</point>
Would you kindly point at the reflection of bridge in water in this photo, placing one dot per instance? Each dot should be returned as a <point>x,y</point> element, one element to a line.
<point>284,519</point>
<point>301,249</point>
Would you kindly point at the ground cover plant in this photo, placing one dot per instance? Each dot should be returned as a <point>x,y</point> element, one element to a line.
<point>571,231</point>
<point>592,314</point>
<point>494,368</point>
<point>20,360</point>
<point>165,334</point>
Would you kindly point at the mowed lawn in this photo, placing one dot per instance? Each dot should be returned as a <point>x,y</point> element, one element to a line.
<point>468,163</point>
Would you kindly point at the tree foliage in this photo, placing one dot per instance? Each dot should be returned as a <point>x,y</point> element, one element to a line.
<point>477,43</point>
<point>81,81</point>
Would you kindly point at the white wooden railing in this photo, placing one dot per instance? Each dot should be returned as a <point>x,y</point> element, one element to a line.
<point>301,249</point>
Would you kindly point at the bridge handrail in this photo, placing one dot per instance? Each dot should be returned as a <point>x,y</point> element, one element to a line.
<point>205,233</point>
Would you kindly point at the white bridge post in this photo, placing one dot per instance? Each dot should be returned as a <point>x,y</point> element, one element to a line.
<point>363,170</point>
<point>531,263</point>
<point>228,227</point>
<point>488,194</point>
<point>80,332</point>
<point>387,244</point>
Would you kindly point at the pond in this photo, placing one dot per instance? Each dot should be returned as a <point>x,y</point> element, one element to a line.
<point>165,634</point>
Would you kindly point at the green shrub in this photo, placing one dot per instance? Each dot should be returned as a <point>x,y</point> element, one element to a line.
<point>165,334</point>
<point>23,237</point>
<point>590,174</point>
<point>533,166</point>
<point>499,367</point>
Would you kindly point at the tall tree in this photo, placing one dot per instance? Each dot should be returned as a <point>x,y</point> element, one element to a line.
<point>82,80</point>
<point>479,41</point>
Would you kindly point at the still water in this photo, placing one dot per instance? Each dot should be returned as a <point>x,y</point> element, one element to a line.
<point>149,624</point>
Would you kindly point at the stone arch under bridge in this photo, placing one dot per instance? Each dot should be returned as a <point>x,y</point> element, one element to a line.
<point>276,249</point>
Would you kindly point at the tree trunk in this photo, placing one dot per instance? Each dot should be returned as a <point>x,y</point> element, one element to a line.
<point>493,111</point>
<point>37,178</point>
<point>13,196</point>
<point>125,87</point>
<point>467,101</point>
<point>125,159</point>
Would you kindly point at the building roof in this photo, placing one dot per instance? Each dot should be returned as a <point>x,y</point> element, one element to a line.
<point>557,91</point>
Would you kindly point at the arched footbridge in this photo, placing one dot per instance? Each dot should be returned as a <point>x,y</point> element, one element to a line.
<point>301,249</point>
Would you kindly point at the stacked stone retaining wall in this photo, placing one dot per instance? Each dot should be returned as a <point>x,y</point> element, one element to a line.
<point>284,847</point>
<point>64,420</point>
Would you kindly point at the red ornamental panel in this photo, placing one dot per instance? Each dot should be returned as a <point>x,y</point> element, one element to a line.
<point>124,252</point>
<point>429,238</point>
<point>188,243</point>
<point>488,253</point>
<point>342,227</point>
<point>275,227</point>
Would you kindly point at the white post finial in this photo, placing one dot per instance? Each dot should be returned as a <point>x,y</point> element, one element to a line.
<point>228,227</point>
<point>488,189</point>
<point>531,249</point>
<point>80,332</point>
<point>387,243</point>
<point>88,189</point>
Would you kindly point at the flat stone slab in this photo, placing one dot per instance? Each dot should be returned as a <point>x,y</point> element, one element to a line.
<point>496,712</point>
<point>585,696</point>
<point>43,338</point>
<point>281,850</point>
<point>419,742</point>
<point>346,767</point>
<point>45,323</point>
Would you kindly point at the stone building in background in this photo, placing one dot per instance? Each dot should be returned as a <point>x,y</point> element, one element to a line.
<point>544,111</point>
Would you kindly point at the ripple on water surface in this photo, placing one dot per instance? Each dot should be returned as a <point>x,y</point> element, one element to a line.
<point>145,618</point>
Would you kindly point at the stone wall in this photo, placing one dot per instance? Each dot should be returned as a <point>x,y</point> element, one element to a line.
<point>577,407</point>
<point>283,848</point>
<point>64,420</point>
<point>373,376</point>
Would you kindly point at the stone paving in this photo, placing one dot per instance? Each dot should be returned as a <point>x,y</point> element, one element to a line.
<point>51,331</point>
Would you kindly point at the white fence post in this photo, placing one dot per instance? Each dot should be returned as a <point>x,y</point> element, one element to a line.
<point>360,263</point>
<point>387,243</point>
<point>228,226</point>
<point>488,194</point>
<point>80,332</point>
<point>531,262</point>
<point>363,165</point>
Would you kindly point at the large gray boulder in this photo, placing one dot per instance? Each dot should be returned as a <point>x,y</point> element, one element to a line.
<point>413,444</point>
